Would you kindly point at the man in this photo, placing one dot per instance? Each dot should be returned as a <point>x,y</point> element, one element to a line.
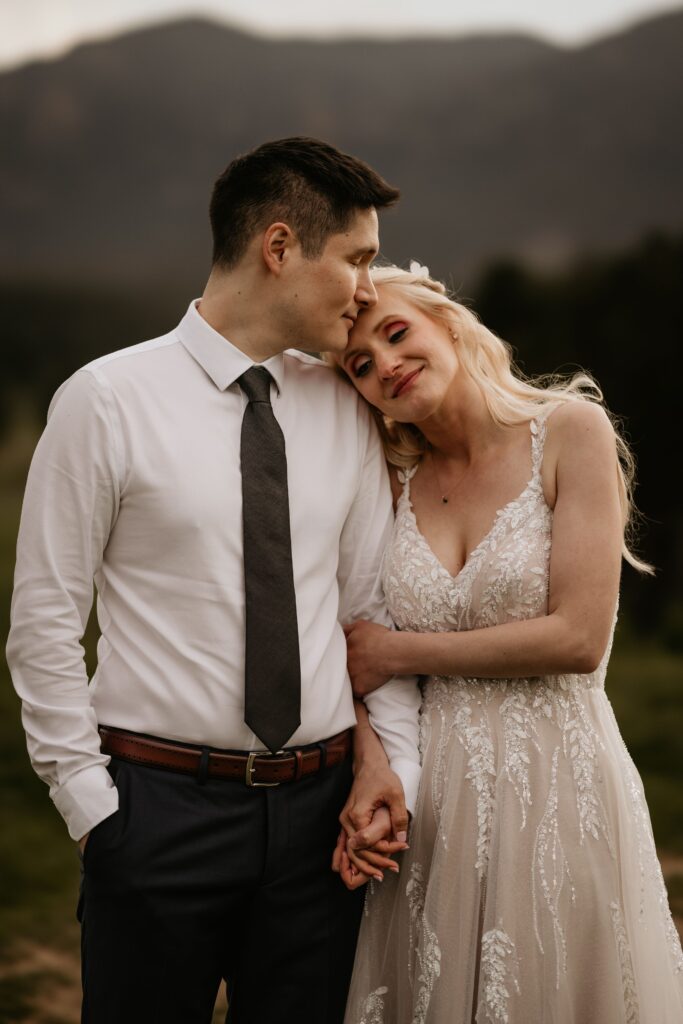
<point>231,503</point>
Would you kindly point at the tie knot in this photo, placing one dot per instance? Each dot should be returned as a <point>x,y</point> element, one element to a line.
<point>256,384</point>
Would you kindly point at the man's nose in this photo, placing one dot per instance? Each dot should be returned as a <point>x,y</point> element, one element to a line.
<point>366,293</point>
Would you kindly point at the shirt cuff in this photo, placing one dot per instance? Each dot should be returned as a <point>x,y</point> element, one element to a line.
<point>409,774</point>
<point>86,799</point>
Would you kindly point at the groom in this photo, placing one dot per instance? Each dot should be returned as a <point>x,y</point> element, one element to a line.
<point>230,501</point>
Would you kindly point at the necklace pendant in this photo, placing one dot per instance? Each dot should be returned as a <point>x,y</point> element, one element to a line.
<point>444,499</point>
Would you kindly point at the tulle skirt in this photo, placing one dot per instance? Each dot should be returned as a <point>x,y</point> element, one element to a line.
<point>531,892</point>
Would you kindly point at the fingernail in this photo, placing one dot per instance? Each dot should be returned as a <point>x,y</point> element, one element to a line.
<point>378,878</point>
<point>394,868</point>
<point>401,837</point>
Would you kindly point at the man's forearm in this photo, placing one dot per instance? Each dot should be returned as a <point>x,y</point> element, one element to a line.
<point>367,746</point>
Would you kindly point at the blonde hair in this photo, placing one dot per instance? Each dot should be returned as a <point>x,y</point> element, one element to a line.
<point>511,397</point>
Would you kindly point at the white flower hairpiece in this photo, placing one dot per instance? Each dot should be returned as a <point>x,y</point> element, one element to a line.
<point>417,270</point>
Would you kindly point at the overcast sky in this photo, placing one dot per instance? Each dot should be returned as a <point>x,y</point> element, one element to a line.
<point>31,28</point>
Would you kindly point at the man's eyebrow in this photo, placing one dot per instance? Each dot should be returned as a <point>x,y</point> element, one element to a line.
<point>367,250</point>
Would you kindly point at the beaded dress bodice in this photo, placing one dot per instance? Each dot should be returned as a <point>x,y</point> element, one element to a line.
<point>504,579</point>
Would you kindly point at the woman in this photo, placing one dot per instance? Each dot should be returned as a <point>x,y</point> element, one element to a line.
<point>531,892</point>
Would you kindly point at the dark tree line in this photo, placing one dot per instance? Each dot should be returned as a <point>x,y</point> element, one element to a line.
<point>618,316</point>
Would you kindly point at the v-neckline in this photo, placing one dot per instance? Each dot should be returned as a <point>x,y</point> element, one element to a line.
<point>498,514</point>
<point>475,550</point>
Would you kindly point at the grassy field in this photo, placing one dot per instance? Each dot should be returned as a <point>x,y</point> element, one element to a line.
<point>39,866</point>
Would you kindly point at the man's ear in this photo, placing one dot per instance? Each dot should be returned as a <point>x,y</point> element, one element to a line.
<point>278,243</point>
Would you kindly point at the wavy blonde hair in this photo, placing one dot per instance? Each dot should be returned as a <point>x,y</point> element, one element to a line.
<point>511,397</point>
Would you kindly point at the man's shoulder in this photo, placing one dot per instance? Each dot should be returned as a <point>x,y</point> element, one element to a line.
<point>137,367</point>
<point>133,358</point>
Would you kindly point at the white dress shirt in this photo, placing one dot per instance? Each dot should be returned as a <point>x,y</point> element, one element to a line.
<point>136,484</point>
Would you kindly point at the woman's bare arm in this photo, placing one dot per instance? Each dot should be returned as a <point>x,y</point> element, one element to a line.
<point>583,586</point>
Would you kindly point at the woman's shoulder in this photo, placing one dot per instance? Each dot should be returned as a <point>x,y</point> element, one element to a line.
<point>577,432</point>
<point>576,422</point>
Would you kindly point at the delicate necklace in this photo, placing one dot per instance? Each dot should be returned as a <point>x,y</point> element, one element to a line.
<point>445,494</point>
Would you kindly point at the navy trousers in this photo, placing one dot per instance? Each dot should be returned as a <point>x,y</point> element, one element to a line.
<point>189,883</point>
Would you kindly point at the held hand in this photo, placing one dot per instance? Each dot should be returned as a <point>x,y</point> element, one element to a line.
<point>358,866</point>
<point>376,838</point>
<point>363,656</point>
<point>375,786</point>
<point>372,849</point>
<point>349,873</point>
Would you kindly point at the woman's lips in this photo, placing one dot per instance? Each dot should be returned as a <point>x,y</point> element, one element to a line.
<point>405,383</point>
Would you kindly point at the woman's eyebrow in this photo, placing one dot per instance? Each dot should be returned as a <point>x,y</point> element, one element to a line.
<point>375,330</point>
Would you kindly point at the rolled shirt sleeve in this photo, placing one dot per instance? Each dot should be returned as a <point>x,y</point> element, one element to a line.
<point>394,707</point>
<point>70,506</point>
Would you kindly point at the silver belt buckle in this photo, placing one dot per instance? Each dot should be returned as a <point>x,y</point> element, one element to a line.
<point>250,769</point>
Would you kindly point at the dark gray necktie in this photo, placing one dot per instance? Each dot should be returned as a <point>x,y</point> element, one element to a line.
<point>272,670</point>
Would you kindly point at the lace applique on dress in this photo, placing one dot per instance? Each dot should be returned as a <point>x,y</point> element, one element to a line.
<point>550,875</point>
<point>627,976</point>
<point>499,976</point>
<point>373,1007</point>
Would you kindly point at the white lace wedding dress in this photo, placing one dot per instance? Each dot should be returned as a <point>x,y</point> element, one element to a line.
<point>531,892</point>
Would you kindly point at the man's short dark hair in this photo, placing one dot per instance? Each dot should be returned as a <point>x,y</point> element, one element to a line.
<point>309,185</point>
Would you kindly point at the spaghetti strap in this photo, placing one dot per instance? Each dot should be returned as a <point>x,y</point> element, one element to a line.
<point>539,430</point>
<point>406,475</point>
<point>538,433</point>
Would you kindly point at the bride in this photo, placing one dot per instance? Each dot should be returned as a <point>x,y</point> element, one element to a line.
<point>531,892</point>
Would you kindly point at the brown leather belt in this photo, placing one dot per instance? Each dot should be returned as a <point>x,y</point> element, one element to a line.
<point>256,768</point>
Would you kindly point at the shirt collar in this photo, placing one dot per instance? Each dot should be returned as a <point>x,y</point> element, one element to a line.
<point>217,356</point>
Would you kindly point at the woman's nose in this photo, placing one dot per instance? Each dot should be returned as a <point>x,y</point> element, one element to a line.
<point>387,365</point>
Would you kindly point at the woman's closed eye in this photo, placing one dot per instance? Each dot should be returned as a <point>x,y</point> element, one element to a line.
<point>396,332</point>
<point>360,368</point>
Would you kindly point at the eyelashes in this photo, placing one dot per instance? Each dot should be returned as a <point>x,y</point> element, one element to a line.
<point>361,369</point>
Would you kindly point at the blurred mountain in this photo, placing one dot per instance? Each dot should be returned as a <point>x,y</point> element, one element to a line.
<point>501,144</point>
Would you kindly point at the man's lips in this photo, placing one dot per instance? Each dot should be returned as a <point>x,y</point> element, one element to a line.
<point>405,382</point>
<point>347,316</point>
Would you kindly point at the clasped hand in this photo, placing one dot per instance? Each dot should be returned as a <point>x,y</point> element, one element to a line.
<point>363,856</point>
<point>365,643</point>
<point>374,827</point>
